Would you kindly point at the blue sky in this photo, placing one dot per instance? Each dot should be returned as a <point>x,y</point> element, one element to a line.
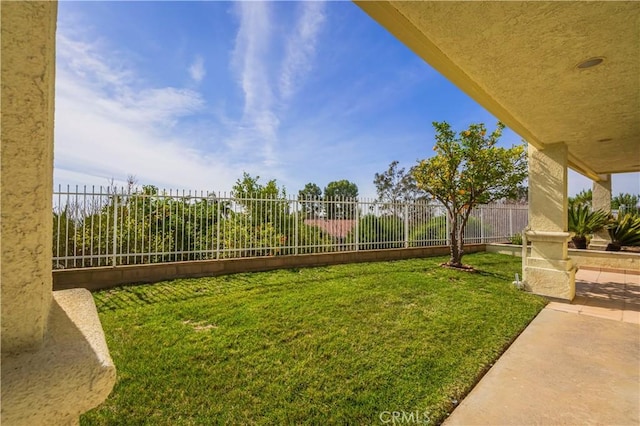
<point>190,94</point>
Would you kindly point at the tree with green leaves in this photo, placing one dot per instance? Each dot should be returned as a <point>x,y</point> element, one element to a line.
<point>341,196</point>
<point>625,203</point>
<point>582,198</point>
<point>469,169</point>
<point>310,198</point>
<point>395,186</point>
<point>249,192</point>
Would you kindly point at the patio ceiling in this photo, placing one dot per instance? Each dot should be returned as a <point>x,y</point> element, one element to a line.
<point>519,60</point>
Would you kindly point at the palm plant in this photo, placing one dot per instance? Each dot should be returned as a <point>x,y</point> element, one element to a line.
<point>584,222</point>
<point>624,231</point>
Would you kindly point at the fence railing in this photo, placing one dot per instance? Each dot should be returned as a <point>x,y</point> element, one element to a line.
<point>109,227</point>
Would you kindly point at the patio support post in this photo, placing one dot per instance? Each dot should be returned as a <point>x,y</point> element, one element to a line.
<point>601,201</point>
<point>548,269</point>
<point>55,361</point>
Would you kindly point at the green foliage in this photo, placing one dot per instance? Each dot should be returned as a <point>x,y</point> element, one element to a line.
<point>310,198</point>
<point>64,234</point>
<point>469,169</point>
<point>625,231</point>
<point>397,186</point>
<point>341,189</point>
<point>153,227</point>
<point>340,197</point>
<point>311,191</point>
<point>241,238</point>
<point>272,210</point>
<point>583,198</point>
<point>431,233</point>
<point>516,239</point>
<point>379,232</point>
<point>625,203</point>
<point>584,222</point>
<point>310,236</point>
<point>305,346</point>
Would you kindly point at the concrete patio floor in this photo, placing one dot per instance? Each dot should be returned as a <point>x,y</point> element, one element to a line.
<point>608,295</point>
<point>575,364</point>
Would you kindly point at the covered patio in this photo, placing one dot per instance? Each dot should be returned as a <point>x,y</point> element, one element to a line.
<point>562,75</point>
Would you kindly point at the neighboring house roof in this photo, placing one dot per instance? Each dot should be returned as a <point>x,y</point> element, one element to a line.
<point>338,228</point>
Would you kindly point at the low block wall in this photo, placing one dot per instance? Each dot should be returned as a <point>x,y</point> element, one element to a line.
<point>613,261</point>
<point>107,277</point>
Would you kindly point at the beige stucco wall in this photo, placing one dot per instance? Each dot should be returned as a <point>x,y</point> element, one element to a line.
<point>548,188</point>
<point>585,259</point>
<point>548,271</point>
<point>28,51</point>
<point>70,374</point>
<point>55,360</point>
<point>601,201</point>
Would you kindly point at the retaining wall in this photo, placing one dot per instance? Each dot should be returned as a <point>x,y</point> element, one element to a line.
<point>107,277</point>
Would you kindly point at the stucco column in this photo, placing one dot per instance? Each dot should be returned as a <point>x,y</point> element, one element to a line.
<point>27,174</point>
<point>55,362</point>
<point>601,201</point>
<point>548,271</point>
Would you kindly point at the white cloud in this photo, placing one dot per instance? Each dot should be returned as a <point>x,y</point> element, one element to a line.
<point>84,60</point>
<point>108,126</point>
<point>260,123</point>
<point>301,46</point>
<point>259,73</point>
<point>196,69</point>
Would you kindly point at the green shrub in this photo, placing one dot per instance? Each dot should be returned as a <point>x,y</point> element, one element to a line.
<point>434,232</point>
<point>516,239</point>
<point>624,231</point>
<point>431,233</point>
<point>584,222</point>
<point>474,229</point>
<point>379,232</point>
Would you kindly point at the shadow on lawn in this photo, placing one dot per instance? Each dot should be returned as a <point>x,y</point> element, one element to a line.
<point>133,296</point>
<point>499,276</point>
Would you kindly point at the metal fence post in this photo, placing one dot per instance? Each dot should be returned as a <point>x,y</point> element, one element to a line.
<point>406,224</point>
<point>296,217</point>
<point>510,221</point>
<point>447,228</point>
<point>357,227</point>
<point>115,228</point>
<point>481,225</point>
<point>218,226</point>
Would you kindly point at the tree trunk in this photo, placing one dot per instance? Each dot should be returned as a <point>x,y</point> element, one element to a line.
<point>456,233</point>
<point>461,242</point>
<point>454,244</point>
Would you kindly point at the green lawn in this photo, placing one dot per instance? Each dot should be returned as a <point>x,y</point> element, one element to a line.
<point>330,345</point>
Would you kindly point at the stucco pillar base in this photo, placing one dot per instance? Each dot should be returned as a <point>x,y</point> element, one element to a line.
<point>70,374</point>
<point>548,270</point>
<point>598,243</point>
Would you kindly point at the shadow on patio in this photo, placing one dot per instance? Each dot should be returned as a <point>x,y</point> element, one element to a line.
<point>610,295</point>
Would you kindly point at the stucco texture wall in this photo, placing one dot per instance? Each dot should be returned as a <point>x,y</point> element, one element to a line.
<point>28,64</point>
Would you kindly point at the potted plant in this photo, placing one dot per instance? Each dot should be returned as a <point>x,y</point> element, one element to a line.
<point>624,231</point>
<point>583,222</point>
